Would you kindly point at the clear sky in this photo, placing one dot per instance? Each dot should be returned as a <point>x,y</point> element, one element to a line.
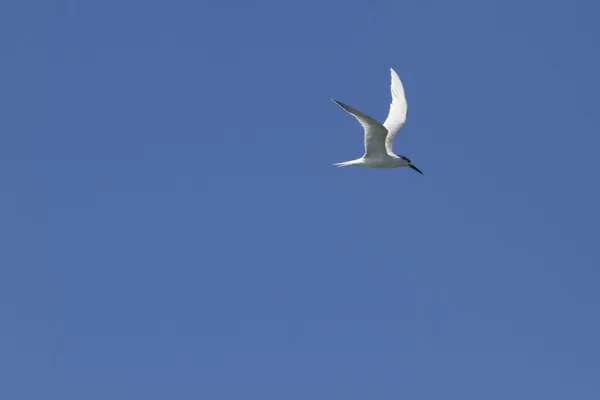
<point>172,226</point>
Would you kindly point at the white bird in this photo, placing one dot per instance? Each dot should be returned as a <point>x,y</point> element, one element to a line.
<point>379,138</point>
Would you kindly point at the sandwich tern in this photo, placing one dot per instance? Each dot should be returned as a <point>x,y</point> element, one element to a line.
<point>379,138</point>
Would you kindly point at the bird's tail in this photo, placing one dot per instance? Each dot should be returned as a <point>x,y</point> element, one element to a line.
<point>346,163</point>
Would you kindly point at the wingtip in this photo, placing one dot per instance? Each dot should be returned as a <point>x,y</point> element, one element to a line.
<point>339,103</point>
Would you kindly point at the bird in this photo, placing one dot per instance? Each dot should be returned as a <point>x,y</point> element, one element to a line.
<point>379,138</point>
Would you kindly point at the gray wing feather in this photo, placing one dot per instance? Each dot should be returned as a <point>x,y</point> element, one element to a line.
<point>397,115</point>
<point>375,132</point>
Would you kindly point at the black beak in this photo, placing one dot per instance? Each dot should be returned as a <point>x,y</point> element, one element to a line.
<point>415,168</point>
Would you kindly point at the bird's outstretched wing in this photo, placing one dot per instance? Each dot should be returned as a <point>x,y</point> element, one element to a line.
<point>397,115</point>
<point>375,132</point>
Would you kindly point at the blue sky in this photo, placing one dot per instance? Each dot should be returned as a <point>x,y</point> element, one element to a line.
<point>172,225</point>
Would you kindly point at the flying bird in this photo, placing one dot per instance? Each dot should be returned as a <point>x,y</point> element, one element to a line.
<point>379,138</point>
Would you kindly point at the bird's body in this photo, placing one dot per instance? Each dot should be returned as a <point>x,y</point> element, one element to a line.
<point>383,161</point>
<point>379,138</point>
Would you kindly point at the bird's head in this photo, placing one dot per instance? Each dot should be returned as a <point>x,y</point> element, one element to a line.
<point>410,164</point>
